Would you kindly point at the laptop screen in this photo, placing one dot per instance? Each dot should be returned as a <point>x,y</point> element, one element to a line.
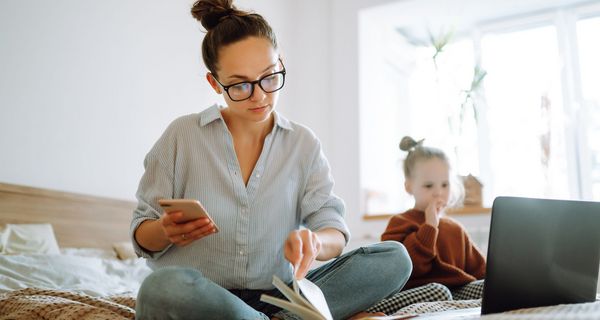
<point>541,252</point>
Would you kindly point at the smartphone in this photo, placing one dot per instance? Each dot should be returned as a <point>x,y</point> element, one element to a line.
<point>191,209</point>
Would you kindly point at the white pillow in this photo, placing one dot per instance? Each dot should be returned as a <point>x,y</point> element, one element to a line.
<point>29,238</point>
<point>124,250</point>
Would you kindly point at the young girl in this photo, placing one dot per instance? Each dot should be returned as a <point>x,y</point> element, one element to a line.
<point>261,177</point>
<point>439,247</point>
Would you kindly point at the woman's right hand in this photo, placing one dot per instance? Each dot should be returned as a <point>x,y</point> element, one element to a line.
<point>183,233</point>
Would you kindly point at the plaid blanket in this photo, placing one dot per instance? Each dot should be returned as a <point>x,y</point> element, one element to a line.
<point>577,311</point>
<point>34,303</point>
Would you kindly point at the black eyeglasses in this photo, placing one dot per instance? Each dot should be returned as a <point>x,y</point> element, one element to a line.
<point>244,90</point>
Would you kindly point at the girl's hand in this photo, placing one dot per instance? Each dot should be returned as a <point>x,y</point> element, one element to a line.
<point>433,211</point>
<point>182,234</point>
<point>302,248</point>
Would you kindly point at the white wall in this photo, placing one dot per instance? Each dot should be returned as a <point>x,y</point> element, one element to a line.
<point>87,87</point>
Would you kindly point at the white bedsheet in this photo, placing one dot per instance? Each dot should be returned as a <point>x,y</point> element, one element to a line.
<point>79,271</point>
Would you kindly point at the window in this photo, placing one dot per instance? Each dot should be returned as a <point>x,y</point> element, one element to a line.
<point>589,66</point>
<point>527,129</point>
<point>525,119</point>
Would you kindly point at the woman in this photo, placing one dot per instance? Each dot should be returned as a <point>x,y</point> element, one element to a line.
<point>260,177</point>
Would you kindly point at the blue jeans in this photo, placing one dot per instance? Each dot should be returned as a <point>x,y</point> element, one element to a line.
<point>351,283</point>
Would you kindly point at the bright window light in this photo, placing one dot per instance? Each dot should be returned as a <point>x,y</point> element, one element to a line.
<point>589,51</point>
<point>524,113</point>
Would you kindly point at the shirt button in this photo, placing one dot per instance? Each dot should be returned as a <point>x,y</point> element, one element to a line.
<point>258,175</point>
<point>242,253</point>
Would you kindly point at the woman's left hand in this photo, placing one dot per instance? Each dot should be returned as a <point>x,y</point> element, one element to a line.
<point>302,248</point>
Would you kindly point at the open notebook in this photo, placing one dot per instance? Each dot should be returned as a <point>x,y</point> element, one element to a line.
<point>307,301</point>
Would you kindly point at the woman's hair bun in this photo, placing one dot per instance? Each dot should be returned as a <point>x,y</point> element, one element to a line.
<point>407,143</point>
<point>211,12</point>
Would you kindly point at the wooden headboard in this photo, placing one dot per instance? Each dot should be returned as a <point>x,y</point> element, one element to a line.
<point>80,221</point>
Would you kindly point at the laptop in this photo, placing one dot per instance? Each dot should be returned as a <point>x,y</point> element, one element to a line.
<point>541,252</point>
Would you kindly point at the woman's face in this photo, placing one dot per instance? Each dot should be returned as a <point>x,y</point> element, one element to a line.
<point>429,182</point>
<point>248,60</point>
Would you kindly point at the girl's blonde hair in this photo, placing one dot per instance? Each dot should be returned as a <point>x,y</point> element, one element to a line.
<point>417,152</point>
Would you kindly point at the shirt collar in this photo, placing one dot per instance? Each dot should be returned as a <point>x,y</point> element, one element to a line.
<point>282,122</point>
<point>214,113</point>
<point>210,114</point>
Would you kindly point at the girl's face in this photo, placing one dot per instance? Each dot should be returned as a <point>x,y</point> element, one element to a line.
<point>430,181</point>
<point>247,60</point>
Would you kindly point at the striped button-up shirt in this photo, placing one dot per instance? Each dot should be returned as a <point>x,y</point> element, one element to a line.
<point>291,186</point>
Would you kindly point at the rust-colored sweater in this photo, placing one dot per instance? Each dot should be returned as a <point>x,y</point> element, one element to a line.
<point>444,254</point>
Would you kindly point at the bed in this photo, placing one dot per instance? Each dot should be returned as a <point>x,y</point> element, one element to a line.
<point>85,277</point>
<point>85,270</point>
